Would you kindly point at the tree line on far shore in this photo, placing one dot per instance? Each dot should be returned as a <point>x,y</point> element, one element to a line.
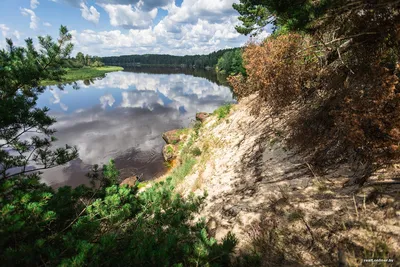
<point>81,60</point>
<point>208,61</point>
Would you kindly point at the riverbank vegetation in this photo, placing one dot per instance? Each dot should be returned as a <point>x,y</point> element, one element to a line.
<point>231,63</point>
<point>83,73</point>
<point>82,67</point>
<point>104,225</point>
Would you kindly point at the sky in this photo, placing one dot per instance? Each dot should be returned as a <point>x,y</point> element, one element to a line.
<point>123,27</point>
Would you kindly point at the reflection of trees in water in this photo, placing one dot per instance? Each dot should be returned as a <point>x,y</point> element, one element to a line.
<point>210,75</point>
<point>74,84</point>
<point>90,81</point>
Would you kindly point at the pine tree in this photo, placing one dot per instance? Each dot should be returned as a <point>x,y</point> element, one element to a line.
<point>22,70</point>
<point>103,225</point>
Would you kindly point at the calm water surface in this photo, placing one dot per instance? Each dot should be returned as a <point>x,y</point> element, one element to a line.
<point>123,116</point>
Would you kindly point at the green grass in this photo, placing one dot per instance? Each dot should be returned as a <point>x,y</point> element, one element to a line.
<point>196,127</point>
<point>167,164</point>
<point>188,161</point>
<point>180,172</point>
<point>142,185</point>
<point>182,131</point>
<point>84,73</point>
<point>170,149</point>
<point>223,111</point>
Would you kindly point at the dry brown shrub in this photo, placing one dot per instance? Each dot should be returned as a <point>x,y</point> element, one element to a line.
<point>357,121</point>
<point>356,115</point>
<point>280,69</point>
<point>347,77</point>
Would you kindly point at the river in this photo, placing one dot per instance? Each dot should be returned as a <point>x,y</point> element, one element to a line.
<point>123,115</point>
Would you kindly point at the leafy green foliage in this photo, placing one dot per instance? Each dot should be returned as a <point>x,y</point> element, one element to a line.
<point>253,15</point>
<point>231,63</point>
<point>81,61</point>
<point>196,128</point>
<point>104,177</point>
<point>80,58</point>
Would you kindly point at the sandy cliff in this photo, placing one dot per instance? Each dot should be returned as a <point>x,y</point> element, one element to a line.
<point>269,196</point>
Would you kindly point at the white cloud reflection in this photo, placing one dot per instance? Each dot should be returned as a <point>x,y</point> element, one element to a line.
<point>107,99</point>
<point>56,99</point>
<point>141,107</point>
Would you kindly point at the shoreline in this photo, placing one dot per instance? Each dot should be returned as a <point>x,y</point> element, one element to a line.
<point>86,73</point>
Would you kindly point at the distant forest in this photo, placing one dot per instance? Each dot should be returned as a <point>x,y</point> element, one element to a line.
<point>195,61</point>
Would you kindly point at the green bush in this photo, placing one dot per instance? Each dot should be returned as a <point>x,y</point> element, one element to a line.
<point>196,151</point>
<point>97,64</point>
<point>107,226</point>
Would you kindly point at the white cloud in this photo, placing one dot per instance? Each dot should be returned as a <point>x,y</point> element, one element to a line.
<point>140,99</point>
<point>90,14</point>
<point>56,99</point>
<point>63,106</point>
<point>199,38</point>
<point>195,27</point>
<point>47,24</point>
<point>17,34</point>
<point>34,4</point>
<point>129,16</point>
<point>34,19</point>
<point>97,42</point>
<point>4,30</point>
<point>107,99</point>
<point>145,5</point>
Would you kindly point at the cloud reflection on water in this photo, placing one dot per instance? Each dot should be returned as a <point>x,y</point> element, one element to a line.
<point>126,121</point>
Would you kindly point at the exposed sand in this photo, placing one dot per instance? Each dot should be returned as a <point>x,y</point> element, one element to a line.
<point>250,176</point>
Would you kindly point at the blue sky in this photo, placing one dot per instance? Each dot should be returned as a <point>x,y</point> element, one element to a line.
<point>116,27</point>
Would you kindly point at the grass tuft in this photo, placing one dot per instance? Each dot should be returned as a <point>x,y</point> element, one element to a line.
<point>180,172</point>
<point>223,111</point>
